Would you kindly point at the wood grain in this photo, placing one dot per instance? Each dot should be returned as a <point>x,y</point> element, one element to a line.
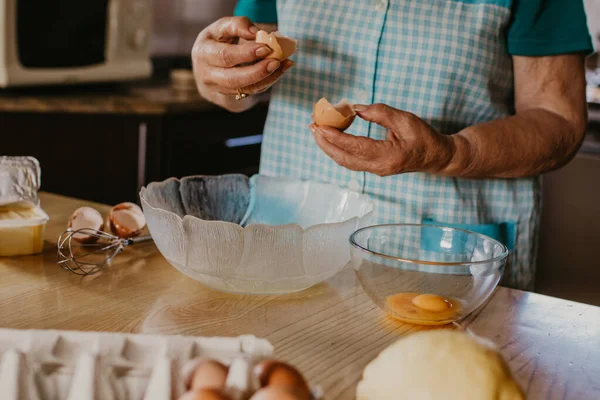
<point>330,331</point>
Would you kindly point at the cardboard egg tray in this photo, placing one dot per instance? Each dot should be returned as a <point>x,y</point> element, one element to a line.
<point>53,365</point>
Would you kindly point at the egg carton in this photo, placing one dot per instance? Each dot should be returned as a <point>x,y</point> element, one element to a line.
<point>71,365</point>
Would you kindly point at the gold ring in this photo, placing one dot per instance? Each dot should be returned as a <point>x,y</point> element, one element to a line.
<point>240,95</point>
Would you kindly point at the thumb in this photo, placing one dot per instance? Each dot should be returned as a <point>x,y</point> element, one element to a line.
<point>381,114</point>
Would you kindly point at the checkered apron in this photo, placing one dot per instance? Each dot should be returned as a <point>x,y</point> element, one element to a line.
<point>443,60</point>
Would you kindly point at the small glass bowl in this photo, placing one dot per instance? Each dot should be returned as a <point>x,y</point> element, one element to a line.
<point>426,274</point>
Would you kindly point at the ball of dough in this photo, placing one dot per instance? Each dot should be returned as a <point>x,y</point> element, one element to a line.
<point>438,365</point>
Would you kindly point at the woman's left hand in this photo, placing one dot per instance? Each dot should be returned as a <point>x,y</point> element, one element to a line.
<point>412,145</point>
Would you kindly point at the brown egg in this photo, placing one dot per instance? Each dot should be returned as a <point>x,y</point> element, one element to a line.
<point>204,394</point>
<point>274,393</point>
<point>126,220</point>
<point>283,47</point>
<point>278,374</point>
<point>209,374</point>
<point>339,116</point>
<point>82,218</point>
<point>423,309</point>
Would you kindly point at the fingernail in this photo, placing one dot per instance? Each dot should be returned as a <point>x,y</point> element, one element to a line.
<point>359,107</point>
<point>263,51</point>
<point>288,64</point>
<point>253,29</point>
<point>312,128</point>
<point>273,65</point>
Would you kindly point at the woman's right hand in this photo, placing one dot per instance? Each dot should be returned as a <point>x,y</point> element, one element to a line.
<point>226,59</point>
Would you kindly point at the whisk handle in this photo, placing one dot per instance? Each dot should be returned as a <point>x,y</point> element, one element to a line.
<point>140,239</point>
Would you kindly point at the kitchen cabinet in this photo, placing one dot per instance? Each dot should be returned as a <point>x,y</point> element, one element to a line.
<point>103,143</point>
<point>99,157</point>
<point>213,143</point>
<point>569,260</point>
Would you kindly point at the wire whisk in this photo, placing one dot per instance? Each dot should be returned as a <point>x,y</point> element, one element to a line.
<point>98,251</point>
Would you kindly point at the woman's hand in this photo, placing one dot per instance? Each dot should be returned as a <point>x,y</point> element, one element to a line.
<point>224,64</point>
<point>412,145</point>
<point>544,134</point>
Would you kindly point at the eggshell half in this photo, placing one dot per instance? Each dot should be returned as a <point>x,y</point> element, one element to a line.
<point>339,116</point>
<point>126,220</point>
<point>82,218</point>
<point>283,47</point>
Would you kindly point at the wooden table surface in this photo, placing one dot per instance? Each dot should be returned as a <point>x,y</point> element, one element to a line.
<point>330,331</point>
<point>147,97</point>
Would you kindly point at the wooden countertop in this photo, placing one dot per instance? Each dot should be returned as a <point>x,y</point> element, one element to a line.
<point>150,97</point>
<point>330,331</point>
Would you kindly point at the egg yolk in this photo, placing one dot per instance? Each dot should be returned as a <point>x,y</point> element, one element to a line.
<point>431,302</point>
<point>423,309</point>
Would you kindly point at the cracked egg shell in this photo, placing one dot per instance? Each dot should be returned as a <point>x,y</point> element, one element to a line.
<point>283,47</point>
<point>126,220</point>
<point>85,218</point>
<point>339,116</point>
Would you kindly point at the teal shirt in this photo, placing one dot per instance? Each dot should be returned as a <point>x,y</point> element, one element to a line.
<point>259,11</point>
<point>538,27</point>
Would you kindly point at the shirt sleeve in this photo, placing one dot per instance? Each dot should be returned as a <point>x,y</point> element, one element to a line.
<point>548,27</point>
<point>259,11</point>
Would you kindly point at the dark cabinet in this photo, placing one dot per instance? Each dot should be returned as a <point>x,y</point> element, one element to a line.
<point>107,156</point>
<point>213,143</point>
<point>568,265</point>
<point>93,157</point>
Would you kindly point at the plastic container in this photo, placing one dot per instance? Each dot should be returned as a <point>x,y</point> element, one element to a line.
<point>20,180</point>
<point>21,230</point>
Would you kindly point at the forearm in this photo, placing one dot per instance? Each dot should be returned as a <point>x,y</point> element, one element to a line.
<point>530,143</point>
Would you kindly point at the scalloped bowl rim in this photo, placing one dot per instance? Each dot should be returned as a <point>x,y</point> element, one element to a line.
<point>243,228</point>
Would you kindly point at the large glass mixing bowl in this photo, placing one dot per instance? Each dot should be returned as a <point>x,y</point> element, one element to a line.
<point>426,274</point>
<point>263,235</point>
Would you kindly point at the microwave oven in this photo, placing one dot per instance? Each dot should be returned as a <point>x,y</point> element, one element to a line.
<point>48,42</point>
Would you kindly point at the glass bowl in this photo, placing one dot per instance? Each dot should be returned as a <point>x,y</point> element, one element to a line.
<point>426,274</point>
<point>261,235</point>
